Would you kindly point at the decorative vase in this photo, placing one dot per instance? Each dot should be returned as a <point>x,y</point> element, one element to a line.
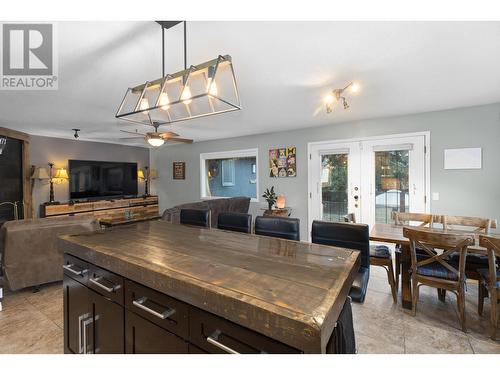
<point>280,202</point>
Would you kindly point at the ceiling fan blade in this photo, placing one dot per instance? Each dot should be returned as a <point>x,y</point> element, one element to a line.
<point>132,138</point>
<point>136,133</point>
<point>166,135</point>
<point>183,140</point>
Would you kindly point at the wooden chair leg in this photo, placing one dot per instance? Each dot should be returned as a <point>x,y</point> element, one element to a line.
<point>442,295</point>
<point>397,262</point>
<point>392,282</point>
<point>494,313</point>
<point>414,297</point>
<point>480,299</point>
<point>461,308</point>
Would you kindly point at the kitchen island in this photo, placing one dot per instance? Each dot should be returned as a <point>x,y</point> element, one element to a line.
<point>157,287</point>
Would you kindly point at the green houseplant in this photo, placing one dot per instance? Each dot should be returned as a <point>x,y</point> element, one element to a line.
<point>270,196</point>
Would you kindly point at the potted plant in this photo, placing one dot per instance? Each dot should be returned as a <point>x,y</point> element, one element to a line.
<point>270,196</point>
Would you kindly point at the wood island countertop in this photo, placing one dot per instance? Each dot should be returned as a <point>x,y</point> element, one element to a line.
<point>290,291</point>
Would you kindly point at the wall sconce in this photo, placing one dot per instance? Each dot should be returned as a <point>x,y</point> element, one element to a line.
<point>337,96</point>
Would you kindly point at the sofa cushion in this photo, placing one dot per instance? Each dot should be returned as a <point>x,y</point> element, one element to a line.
<point>216,206</point>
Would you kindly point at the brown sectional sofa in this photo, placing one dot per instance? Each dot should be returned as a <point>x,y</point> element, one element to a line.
<point>29,254</point>
<point>216,206</point>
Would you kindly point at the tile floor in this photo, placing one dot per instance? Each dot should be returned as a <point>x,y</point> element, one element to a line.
<point>33,322</point>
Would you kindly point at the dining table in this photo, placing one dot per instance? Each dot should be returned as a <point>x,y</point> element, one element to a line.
<point>393,233</point>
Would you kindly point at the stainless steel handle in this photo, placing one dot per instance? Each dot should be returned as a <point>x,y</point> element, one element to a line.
<point>81,344</point>
<point>68,267</point>
<point>86,323</point>
<point>163,315</point>
<point>212,339</point>
<point>107,289</point>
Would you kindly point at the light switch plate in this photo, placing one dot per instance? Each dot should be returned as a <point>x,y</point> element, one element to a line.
<point>435,196</point>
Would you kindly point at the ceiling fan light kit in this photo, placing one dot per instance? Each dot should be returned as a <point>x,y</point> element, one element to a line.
<point>201,90</point>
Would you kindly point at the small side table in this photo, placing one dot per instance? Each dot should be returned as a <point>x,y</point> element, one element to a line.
<point>281,212</point>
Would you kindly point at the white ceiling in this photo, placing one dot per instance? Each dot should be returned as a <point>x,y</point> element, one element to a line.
<point>284,70</point>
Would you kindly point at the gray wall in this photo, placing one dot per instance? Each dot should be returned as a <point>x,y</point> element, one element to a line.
<point>59,151</point>
<point>462,192</point>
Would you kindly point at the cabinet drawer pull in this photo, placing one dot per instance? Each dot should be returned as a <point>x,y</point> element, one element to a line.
<point>212,339</point>
<point>106,288</point>
<point>69,267</point>
<point>163,315</point>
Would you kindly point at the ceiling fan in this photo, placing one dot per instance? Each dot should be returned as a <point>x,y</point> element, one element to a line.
<point>156,138</point>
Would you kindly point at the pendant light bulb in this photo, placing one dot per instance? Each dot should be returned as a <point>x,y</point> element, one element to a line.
<point>186,95</point>
<point>211,87</point>
<point>164,101</point>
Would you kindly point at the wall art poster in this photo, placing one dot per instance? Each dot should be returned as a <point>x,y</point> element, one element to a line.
<point>282,162</point>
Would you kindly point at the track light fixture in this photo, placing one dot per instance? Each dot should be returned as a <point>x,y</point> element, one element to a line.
<point>337,95</point>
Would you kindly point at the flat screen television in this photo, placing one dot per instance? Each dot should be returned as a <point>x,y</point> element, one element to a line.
<point>89,179</point>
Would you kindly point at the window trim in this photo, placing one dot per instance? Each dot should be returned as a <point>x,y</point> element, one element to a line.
<point>251,152</point>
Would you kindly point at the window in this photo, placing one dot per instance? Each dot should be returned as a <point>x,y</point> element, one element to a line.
<point>229,174</point>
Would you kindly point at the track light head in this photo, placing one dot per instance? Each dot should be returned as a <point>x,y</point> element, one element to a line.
<point>76,135</point>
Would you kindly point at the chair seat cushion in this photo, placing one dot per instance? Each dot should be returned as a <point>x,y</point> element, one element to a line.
<point>473,261</point>
<point>436,269</point>
<point>380,251</point>
<point>359,285</point>
<point>420,252</point>
<point>484,274</point>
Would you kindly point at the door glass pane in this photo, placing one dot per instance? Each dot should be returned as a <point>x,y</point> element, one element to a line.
<point>334,187</point>
<point>391,184</point>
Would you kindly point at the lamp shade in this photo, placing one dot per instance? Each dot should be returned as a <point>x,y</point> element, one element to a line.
<point>205,89</point>
<point>61,173</point>
<point>280,202</point>
<point>140,174</point>
<point>40,174</point>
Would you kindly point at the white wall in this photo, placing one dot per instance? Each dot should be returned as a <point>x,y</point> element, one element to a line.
<point>462,192</point>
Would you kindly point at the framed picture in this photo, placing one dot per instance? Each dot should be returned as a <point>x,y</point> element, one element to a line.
<point>283,162</point>
<point>179,170</point>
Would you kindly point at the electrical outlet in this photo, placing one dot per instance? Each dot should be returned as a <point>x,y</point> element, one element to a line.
<point>435,196</point>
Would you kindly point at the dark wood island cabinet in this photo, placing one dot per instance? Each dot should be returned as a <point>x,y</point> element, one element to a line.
<point>157,287</point>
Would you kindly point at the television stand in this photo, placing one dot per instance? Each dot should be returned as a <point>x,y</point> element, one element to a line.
<point>105,210</point>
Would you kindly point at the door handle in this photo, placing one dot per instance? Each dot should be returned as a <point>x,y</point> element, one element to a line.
<point>96,282</point>
<point>213,339</point>
<point>162,315</point>
<point>69,267</point>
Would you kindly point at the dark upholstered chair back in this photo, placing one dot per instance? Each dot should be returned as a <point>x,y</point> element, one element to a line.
<point>235,221</point>
<point>200,218</point>
<point>349,235</point>
<point>282,227</point>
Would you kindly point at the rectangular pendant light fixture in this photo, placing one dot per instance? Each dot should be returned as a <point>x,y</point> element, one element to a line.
<point>202,90</point>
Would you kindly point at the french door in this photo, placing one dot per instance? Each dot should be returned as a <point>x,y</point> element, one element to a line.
<point>370,178</point>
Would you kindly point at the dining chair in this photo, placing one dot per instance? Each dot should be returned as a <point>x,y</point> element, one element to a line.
<point>281,227</point>
<point>199,218</point>
<point>235,221</point>
<point>405,218</point>
<point>490,280</point>
<point>473,262</point>
<point>434,270</point>
<point>380,255</point>
<point>351,236</point>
